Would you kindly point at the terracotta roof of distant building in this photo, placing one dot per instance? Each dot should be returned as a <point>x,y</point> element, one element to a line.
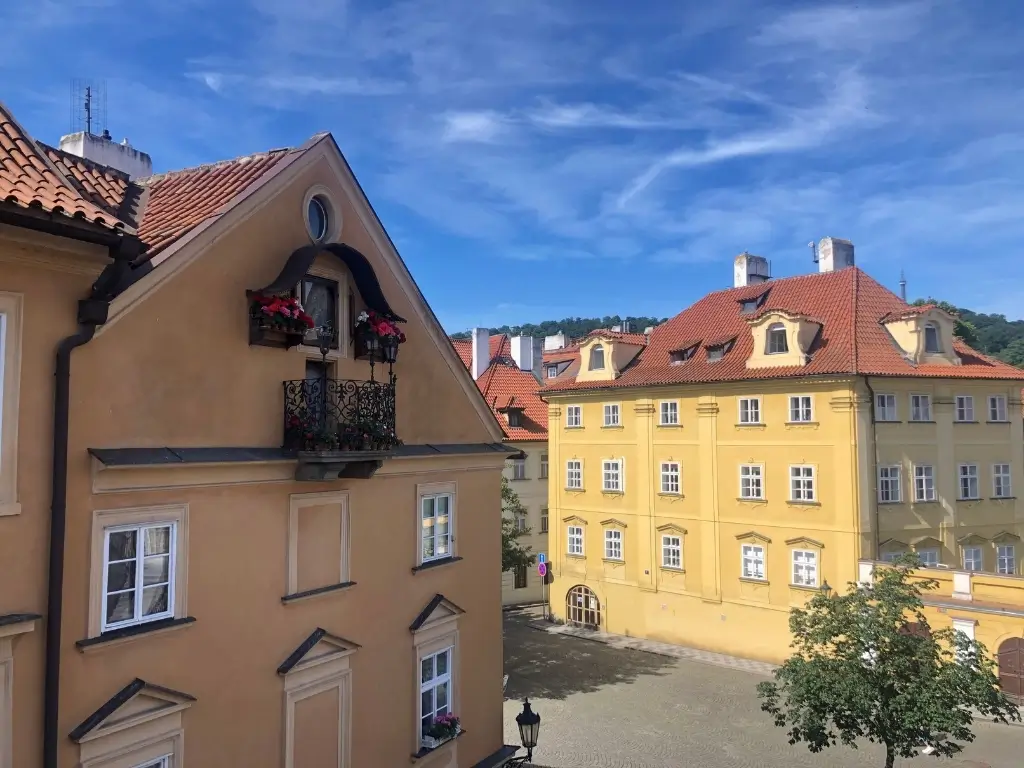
<point>105,187</point>
<point>850,306</point>
<point>30,179</point>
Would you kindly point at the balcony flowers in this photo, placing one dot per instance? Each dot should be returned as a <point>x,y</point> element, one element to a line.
<point>443,728</point>
<point>279,313</point>
<point>378,337</point>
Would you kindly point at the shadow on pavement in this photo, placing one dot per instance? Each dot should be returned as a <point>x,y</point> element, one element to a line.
<point>548,666</point>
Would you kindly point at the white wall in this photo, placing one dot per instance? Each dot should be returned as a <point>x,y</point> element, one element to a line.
<point>533,493</point>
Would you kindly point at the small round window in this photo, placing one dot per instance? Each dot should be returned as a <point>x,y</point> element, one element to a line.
<point>316,218</point>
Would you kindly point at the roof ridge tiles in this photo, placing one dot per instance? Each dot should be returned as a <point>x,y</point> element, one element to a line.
<point>180,172</point>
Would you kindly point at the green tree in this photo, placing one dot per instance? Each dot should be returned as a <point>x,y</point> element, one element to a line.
<point>866,665</point>
<point>964,328</point>
<point>513,553</point>
<point>1013,353</point>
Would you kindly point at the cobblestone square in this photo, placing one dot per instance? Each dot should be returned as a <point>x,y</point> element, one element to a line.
<point>618,707</point>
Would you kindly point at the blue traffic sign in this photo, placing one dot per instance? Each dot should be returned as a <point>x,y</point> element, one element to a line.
<point>541,558</point>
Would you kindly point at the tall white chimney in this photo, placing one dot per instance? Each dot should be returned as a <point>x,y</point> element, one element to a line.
<point>749,269</point>
<point>527,354</point>
<point>554,342</point>
<point>834,254</point>
<point>105,151</point>
<point>481,352</point>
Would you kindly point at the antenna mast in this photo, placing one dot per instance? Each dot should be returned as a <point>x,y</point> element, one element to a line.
<point>88,106</point>
<point>903,286</point>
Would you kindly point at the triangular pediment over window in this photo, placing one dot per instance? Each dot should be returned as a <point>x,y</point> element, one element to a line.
<point>671,528</point>
<point>927,542</point>
<point>318,648</point>
<point>753,536</point>
<point>574,519</point>
<point>891,544</point>
<point>1005,537</point>
<point>439,609</point>
<point>971,539</point>
<point>135,704</point>
<point>611,522</point>
<point>804,541</point>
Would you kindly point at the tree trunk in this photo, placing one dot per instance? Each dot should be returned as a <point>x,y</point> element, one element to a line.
<point>890,756</point>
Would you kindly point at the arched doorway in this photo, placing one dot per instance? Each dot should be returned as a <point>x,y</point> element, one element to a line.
<point>582,608</point>
<point>1011,668</point>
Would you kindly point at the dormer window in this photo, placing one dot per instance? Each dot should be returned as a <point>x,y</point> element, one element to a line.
<point>679,356</point>
<point>718,351</point>
<point>597,358</point>
<point>777,343</point>
<point>515,417</point>
<point>552,371</point>
<point>931,339</point>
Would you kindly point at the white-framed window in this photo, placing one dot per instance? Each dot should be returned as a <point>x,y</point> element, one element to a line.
<point>611,475</point>
<point>574,474</point>
<point>750,410</point>
<point>138,574</point>
<point>518,469</point>
<point>574,416</point>
<point>889,487</point>
<point>552,371</point>
<point>575,540</point>
<point>436,531</point>
<point>929,556</point>
<point>612,544</point>
<point>801,482</point>
<point>543,519</point>
<point>160,762</point>
<point>972,558</point>
<point>777,343</point>
<point>885,407</point>
<point>611,414</point>
<point>671,551</point>
<point>800,408</point>
<point>669,411</point>
<point>924,482</point>
<point>931,338</point>
<point>543,466</point>
<point>670,482</point>
<point>964,408</point>
<point>597,358</point>
<point>521,523</point>
<point>997,407</point>
<point>751,481</point>
<point>435,687</point>
<point>752,556</point>
<point>805,568</point>
<point>1001,487</point>
<point>1006,559</point>
<point>969,482</point>
<point>892,557</point>
<point>920,407</point>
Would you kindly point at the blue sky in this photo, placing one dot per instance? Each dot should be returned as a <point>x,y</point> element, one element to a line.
<point>535,159</point>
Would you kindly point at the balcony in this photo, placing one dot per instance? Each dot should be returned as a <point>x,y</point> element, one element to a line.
<point>339,427</point>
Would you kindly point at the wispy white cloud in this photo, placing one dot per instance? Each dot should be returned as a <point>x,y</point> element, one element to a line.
<point>472,126</point>
<point>845,26</point>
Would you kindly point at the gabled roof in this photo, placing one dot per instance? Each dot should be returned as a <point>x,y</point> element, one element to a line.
<point>849,305</point>
<point>29,179</point>
<point>502,383</point>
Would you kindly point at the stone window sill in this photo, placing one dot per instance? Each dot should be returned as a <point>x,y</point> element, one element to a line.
<point>611,426</point>
<point>754,424</point>
<point>1001,498</point>
<point>803,503</point>
<point>922,421</point>
<point>575,426</point>
<point>125,634</point>
<point>802,424</point>
<point>803,587</point>
<point>317,592</point>
<point>614,560</point>
<point>431,750</point>
<point>888,421</point>
<point>998,421</point>
<point>971,498</point>
<point>613,493</point>
<point>574,490</point>
<point>517,479</point>
<point>958,421</point>
<point>671,494</point>
<point>436,563</point>
<point>752,499</point>
<point>669,426</point>
<point>673,569</point>
<point>575,557</point>
<point>748,580</point>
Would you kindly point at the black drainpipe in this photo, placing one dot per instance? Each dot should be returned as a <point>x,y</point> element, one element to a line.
<point>92,312</point>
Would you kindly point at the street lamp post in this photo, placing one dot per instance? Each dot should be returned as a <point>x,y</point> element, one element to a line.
<point>825,589</point>
<point>529,729</point>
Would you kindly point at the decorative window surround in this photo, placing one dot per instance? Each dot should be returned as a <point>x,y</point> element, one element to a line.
<point>613,476</point>
<point>752,482</point>
<point>296,503</point>
<point>803,483</point>
<point>574,474</point>
<point>10,383</point>
<point>436,629</point>
<point>672,550</point>
<point>12,626</point>
<point>173,515</point>
<point>671,478</point>
<point>442,500</point>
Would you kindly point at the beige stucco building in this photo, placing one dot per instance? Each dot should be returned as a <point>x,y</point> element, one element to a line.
<point>508,372</point>
<point>218,546</point>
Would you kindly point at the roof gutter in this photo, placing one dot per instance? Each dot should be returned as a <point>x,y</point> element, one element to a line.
<point>92,312</point>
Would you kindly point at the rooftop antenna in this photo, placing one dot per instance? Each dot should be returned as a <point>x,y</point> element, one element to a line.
<point>88,106</point>
<point>814,251</point>
<point>903,286</point>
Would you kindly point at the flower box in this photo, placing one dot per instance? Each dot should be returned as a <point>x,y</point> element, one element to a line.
<point>433,742</point>
<point>276,321</point>
<point>377,338</point>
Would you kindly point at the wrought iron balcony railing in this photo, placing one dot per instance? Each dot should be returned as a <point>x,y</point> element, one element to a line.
<point>339,415</point>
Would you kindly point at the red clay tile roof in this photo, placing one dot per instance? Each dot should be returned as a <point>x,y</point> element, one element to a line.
<point>848,303</point>
<point>504,381</point>
<point>106,187</point>
<point>29,179</point>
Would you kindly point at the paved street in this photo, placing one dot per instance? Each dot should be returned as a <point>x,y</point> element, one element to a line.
<point>608,707</point>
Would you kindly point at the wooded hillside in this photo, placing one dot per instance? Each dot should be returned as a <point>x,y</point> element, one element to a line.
<point>571,326</point>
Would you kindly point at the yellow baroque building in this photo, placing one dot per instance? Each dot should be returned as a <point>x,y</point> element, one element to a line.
<point>770,438</point>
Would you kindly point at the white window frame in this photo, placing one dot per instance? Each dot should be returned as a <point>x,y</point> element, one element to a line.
<point>448,537</point>
<point>613,478</point>
<point>997,408</point>
<point>1006,559</point>
<point>671,478</point>
<point>545,466</point>
<point>773,329</point>
<point>752,408</point>
<point>938,339</point>
<point>804,574</point>
<point>752,555</point>
<point>518,469</point>
<point>964,473</point>
<point>575,540</point>
<point>574,474</point>
<point>138,589</point>
<point>11,324</point>
<point>803,483</point>
<point>1002,482</point>
<point>544,519</point>
<point>612,415</point>
<point>975,561</point>
<point>801,409</point>
<point>613,544</point>
<point>890,492</point>
<point>964,409</point>
<point>672,551</point>
<point>920,407</point>
<point>668,413</point>
<point>924,482</point>
<point>926,557</point>
<point>886,407</point>
<point>522,523</point>
<point>754,474</point>
<point>435,682</point>
<point>889,557</point>
<point>573,416</point>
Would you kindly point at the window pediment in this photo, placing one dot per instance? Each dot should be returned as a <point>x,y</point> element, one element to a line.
<point>782,338</point>
<point>319,647</point>
<point>438,610</point>
<point>137,703</point>
<point>611,522</point>
<point>753,536</point>
<point>804,541</point>
<point>1005,537</point>
<point>971,539</point>
<point>926,542</point>
<point>574,519</point>
<point>892,544</point>
<point>671,528</point>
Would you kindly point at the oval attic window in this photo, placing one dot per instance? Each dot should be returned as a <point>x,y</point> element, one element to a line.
<point>316,218</point>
